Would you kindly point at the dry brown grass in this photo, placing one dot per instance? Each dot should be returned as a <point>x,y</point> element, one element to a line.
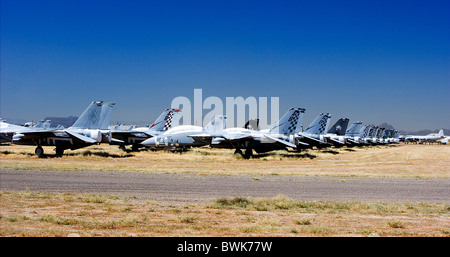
<point>426,161</point>
<point>33,214</point>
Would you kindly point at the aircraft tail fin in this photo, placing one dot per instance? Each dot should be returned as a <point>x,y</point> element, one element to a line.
<point>339,127</point>
<point>354,130</point>
<point>289,122</point>
<point>105,115</point>
<point>365,131</point>
<point>90,118</point>
<point>252,124</point>
<point>167,119</point>
<point>217,123</point>
<point>441,133</point>
<point>319,125</point>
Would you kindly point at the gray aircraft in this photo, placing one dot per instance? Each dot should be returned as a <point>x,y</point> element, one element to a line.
<point>90,128</point>
<point>353,134</point>
<point>313,136</point>
<point>185,136</point>
<point>336,134</point>
<point>134,137</point>
<point>279,136</point>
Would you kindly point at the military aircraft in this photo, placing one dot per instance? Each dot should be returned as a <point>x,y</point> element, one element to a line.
<point>182,137</point>
<point>336,134</point>
<point>278,136</point>
<point>426,139</point>
<point>7,131</point>
<point>135,136</point>
<point>353,134</point>
<point>313,136</point>
<point>90,128</point>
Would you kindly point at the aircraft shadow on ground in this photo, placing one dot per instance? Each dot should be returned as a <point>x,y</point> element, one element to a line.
<point>86,153</point>
<point>287,155</point>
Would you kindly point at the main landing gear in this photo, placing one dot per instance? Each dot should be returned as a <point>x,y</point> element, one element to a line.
<point>246,155</point>
<point>39,151</point>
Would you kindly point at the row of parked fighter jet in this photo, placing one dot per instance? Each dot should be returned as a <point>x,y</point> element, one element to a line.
<point>93,127</point>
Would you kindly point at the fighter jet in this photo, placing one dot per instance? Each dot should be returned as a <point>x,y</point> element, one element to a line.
<point>89,129</point>
<point>426,139</point>
<point>135,136</point>
<point>278,136</point>
<point>7,131</point>
<point>181,137</point>
<point>353,134</point>
<point>336,134</point>
<point>313,136</point>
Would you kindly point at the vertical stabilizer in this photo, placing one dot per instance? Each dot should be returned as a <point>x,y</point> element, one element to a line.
<point>365,131</point>
<point>289,122</point>
<point>319,125</point>
<point>216,124</point>
<point>105,115</point>
<point>166,120</point>
<point>354,130</point>
<point>339,127</point>
<point>90,118</point>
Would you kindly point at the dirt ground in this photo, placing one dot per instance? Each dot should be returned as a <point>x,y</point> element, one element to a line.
<point>425,161</point>
<point>33,214</point>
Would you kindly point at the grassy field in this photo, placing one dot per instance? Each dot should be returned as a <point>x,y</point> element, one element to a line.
<point>31,214</point>
<point>424,161</point>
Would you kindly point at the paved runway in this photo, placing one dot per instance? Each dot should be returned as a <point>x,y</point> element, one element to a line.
<point>191,187</point>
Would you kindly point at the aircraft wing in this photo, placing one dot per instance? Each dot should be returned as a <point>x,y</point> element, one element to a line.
<point>281,141</point>
<point>130,134</point>
<point>206,138</point>
<point>36,134</point>
<point>237,136</point>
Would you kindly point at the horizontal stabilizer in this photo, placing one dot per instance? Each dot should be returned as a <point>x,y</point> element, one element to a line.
<point>81,137</point>
<point>352,141</point>
<point>336,141</point>
<point>281,141</point>
<point>307,138</point>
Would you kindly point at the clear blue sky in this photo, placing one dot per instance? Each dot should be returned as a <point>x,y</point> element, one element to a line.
<point>374,61</point>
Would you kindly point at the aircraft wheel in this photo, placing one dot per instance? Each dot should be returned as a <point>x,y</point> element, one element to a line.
<point>248,153</point>
<point>238,151</point>
<point>39,151</point>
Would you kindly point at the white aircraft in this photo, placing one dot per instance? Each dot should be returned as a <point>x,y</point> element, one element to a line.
<point>426,139</point>
<point>7,131</point>
<point>90,128</point>
<point>185,136</point>
<point>444,140</point>
<point>135,136</point>
<point>278,136</point>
